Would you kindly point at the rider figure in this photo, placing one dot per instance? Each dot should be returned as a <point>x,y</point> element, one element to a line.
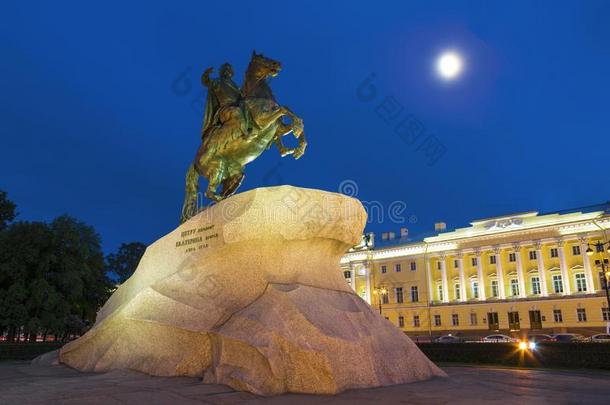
<point>223,98</point>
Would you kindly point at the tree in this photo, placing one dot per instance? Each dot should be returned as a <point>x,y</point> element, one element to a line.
<point>26,259</point>
<point>52,277</point>
<point>125,261</point>
<point>81,277</point>
<point>7,210</point>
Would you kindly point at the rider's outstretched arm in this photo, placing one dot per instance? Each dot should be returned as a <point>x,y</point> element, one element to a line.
<point>205,77</point>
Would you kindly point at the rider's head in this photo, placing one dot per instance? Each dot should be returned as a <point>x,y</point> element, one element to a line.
<point>226,71</point>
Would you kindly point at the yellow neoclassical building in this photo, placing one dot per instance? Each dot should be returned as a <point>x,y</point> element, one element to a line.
<point>516,274</point>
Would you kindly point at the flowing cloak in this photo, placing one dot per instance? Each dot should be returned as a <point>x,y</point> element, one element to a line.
<point>220,94</point>
<point>211,107</point>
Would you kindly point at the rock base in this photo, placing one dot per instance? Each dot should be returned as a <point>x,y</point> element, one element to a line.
<point>249,293</point>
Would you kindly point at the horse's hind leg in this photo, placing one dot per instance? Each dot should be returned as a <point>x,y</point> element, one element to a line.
<point>231,184</point>
<point>216,176</point>
<point>189,208</point>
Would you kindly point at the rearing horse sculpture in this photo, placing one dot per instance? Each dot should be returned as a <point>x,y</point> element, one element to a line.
<point>237,128</point>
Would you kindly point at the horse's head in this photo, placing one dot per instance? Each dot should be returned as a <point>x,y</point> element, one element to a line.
<point>263,67</point>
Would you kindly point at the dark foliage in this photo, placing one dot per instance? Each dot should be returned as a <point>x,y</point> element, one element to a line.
<point>52,278</point>
<point>124,262</point>
<point>7,210</point>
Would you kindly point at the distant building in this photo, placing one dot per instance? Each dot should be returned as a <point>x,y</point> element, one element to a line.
<point>516,274</point>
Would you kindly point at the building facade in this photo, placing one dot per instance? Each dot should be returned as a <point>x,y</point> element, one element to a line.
<point>517,274</point>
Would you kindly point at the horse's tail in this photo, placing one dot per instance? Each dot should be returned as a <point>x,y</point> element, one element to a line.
<point>191,196</point>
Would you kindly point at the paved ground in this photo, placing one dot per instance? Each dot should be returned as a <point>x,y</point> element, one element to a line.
<point>21,383</point>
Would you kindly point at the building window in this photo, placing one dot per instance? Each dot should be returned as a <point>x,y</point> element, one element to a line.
<point>385,299</point>
<point>492,321</point>
<point>512,257</point>
<point>440,292</point>
<point>414,294</point>
<point>401,321</point>
<point>535,285</point>
<point>581,314</point>
<point>416,321</point>
<point>474,261</point>
<point>437,320</point>
<point>533,255</point>
<point>398,268</point>
<point>492,259</point>
<point>599,248</point>
<point>455,320</point>
<point>581,282</point>
<point>475,289</point>
<point>384,269</point>
<point>576,250</point>
<point>494,288</point>
<point>557,317</point>
<point>456,264</point>
<point>438,265</point>
<point>554,252</point>
<point>473,318</point>
<point>514,320</point>
<point>514,287</point>
<point>557,284</point>
<point>458,293</point>
<point>399,295</point>
<point>413,266</point>
<point>347,274</point>
<point>605,314</point>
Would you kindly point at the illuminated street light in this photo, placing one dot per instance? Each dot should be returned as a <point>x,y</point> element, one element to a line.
<point>380,292</point>
<point>604,273</point>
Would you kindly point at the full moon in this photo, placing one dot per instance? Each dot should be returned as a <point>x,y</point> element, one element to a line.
<point>449,65</point>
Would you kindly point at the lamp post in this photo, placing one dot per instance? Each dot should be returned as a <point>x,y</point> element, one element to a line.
<point>380,292</point>
<point>605,272</point>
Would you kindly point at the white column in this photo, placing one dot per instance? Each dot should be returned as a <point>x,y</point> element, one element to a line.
<point>430,281</point>
<point>444,279</point>
<point>367,296</point>
<point>544,292</point>
<point>587,265</point>
<point>520,276</point>
<point>565,275</point>
<point>480,277</point>
<point>463,289</point>
<point>500,274</point>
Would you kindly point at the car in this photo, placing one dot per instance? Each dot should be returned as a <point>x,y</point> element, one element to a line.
<point>449,339</point>
<point>569,337</point>
<point>499,339</point>
<point>600,338</point>
<point>540,338</point>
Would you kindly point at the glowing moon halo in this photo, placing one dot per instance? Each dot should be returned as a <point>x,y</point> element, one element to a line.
<point>449,65</point>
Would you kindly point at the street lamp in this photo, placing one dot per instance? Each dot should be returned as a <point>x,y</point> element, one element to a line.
<point>605,273</point>
<point>380,292</point>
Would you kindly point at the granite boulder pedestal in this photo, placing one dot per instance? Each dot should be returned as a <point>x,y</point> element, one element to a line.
<point>249,293</point>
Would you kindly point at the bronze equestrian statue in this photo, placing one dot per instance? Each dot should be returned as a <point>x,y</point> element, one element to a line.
<point>238,125</point>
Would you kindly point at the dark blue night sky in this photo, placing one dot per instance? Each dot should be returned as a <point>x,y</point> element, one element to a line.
<point>101,104</point>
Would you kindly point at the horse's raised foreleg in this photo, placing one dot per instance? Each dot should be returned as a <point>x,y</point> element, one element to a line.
<point>282,130</point>
<point>189,208</point>
<point>296,127</point>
